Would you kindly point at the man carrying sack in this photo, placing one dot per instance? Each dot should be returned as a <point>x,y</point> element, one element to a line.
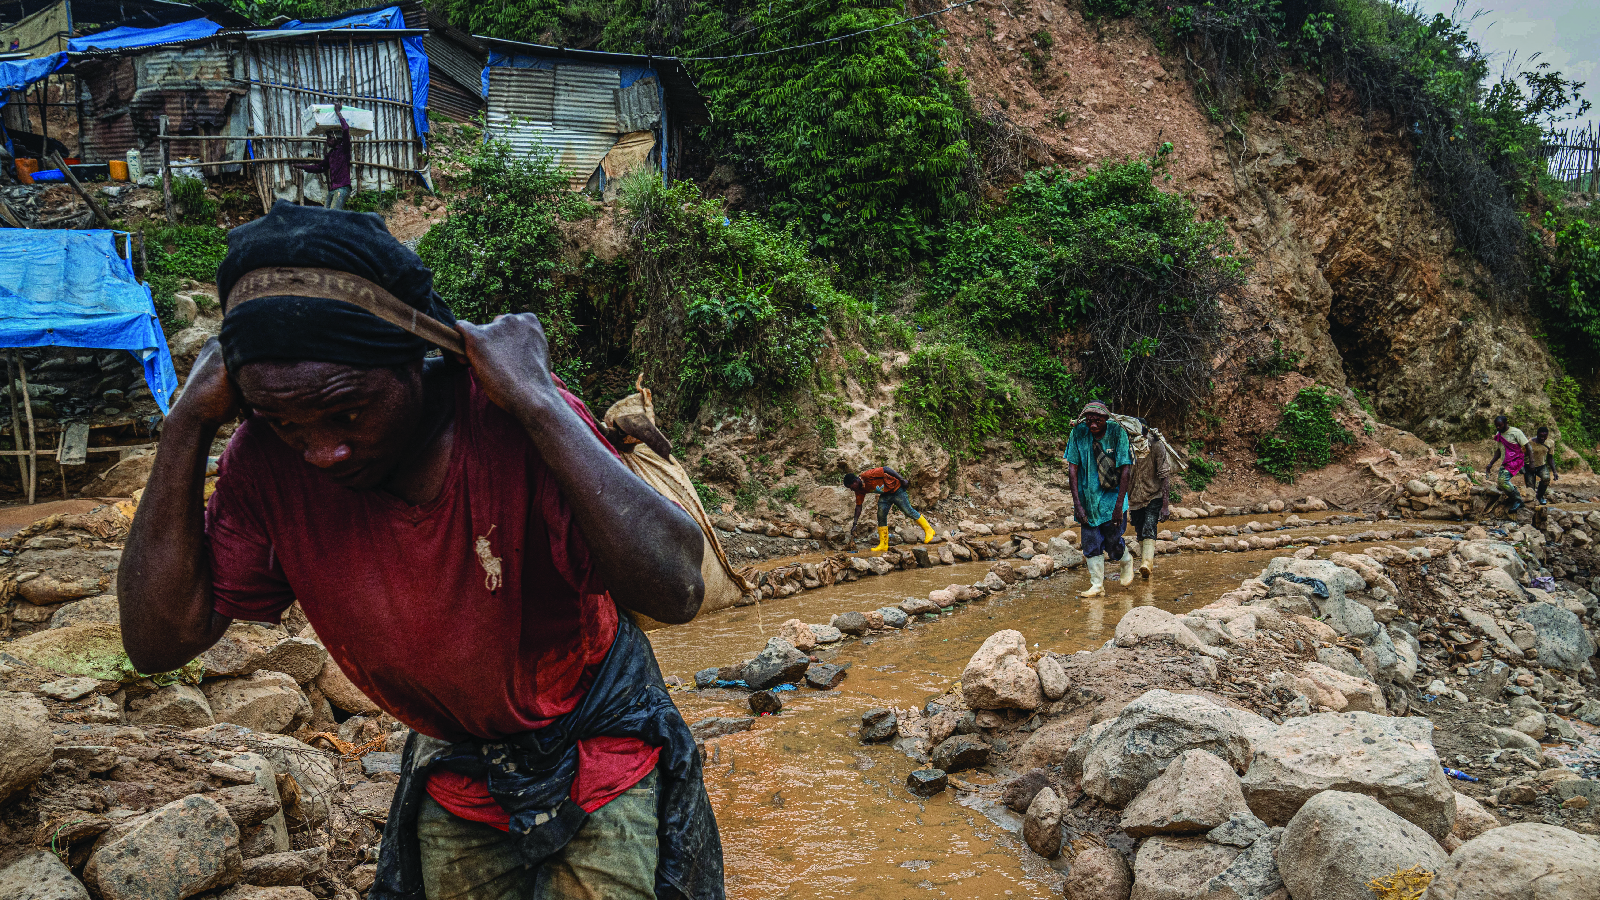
<point>462,540</point>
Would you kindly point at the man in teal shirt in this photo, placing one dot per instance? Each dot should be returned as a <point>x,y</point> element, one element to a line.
<point>1099,465</point>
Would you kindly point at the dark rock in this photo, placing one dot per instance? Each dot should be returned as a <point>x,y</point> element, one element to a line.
<point>923,561</point>
<point>927,782</point>
<point>968,723</point>
<point>766,703</point>
<point>705,678</point>
<point>851,623</point>
<point>960,752</point>
<point>824,676</point>
<point>720,726</point>
<point>779,663</point>
<point>377,762</point>
<point>1020,791</point>
<point>878,725</point>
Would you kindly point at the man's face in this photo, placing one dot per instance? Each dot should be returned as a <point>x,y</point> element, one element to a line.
<point>1096,423</point>
<point>357,425</point>
<point>1500,426</point>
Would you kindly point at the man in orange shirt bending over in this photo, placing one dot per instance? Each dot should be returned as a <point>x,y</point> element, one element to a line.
<point>890,486</point>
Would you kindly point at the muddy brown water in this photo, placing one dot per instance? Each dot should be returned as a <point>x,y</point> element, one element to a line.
<point>807,811</point>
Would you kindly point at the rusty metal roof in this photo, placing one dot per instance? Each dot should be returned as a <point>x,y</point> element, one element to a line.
<point>684,102</point>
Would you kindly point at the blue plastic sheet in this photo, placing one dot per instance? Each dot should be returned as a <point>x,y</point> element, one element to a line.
<point>123,38</point>
<point>62,288</point>
<point>416,57</point>
<point>19,75</point>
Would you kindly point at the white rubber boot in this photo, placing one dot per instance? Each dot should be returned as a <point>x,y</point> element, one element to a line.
<point>1127,565</point>
<point>1147,555</point>
<point>1097,576</point>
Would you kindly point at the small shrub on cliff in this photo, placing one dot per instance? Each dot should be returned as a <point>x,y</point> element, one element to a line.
<point>1570,284</point>
<point>1305,436</point>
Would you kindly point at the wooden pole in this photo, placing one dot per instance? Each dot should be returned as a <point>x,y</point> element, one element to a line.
<point>33,437</point>
<point>66,172</point>
<point>166,172</point>
<point>16,422</point>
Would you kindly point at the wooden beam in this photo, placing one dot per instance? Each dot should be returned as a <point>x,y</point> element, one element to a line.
<point>166,172</point>
<point>71,179</point>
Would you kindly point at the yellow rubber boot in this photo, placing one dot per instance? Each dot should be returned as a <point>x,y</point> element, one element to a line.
<point>1147,556</point>
<point>1097,576</point>
<point>883,539</point>
<point>928,534</point>
<point>1127,565</point>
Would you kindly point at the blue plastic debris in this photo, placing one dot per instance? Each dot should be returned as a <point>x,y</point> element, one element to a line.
<point>1429,698</point>
<point>784,687</point>
<point>727,683</point>
<point>1457,773</point>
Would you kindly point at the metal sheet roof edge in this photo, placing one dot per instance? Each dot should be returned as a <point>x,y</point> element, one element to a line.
<point>684,100</point>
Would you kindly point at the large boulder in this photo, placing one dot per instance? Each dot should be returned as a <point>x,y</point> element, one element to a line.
<point>1497,554</point>
<point>248,647</point>
<point>1338,842</point>
<point>1559,637</point>
<point>1177,868</point>
<point>777,663</point>
<point>998,675</point>
<point>1098,872</point>
<point>1052,678</point>
<point>1153,730</point>
<point>186,847</point>
<point>1149,623</point>
<point>1041,826</point>
<point>340,691</point>
<point>1390,760</point>
<point>102,610</point>
<point>1339,691</point>
<point>26,745</point>
<point>268,702</point>
<point>1472,819</point>
<point>1197,793</point>
<point>1521,862</point>
<point>40,875</point>
<point>91,650</point>
<point>1345,615</point>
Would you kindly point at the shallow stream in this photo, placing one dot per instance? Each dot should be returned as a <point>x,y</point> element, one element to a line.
<point>806,810</point>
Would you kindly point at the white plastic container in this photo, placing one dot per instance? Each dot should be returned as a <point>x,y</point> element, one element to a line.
<point>320,118</point>
<point>135,166</point>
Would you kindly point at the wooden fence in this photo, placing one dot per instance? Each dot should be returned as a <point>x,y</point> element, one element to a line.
<point>1573,157</point>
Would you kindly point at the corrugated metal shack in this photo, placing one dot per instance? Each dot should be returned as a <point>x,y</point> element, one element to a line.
<point>600,115</point>
<point>235,98</point>
<point>455,64</point>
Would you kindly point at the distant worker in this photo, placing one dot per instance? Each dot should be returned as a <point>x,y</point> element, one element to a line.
<point>1541,468</point>
<point>890,486</point>
<point>1100,468</point>
<point>335,161</point>
<point>1514,447</point>
<point>1149,502</point>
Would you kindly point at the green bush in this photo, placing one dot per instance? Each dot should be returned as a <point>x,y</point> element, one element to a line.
<point>1201,471</point>
<point>194,207</point>
<point>373,201</point>
<point>499,249</point>
<point>1304,437</point>
<point>1110,253</point>
<point>1570,284</point>
<point>1578,420</point>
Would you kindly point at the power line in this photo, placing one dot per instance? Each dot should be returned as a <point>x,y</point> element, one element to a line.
<point>844,37</point>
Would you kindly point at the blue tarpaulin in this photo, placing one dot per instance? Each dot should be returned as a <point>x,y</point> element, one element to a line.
<point>123,38</point>
<point>19,75</point>
<point>416,57</point>
<point>63,288</point>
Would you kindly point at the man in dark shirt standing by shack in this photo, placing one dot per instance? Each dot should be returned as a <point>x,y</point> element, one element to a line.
<point>335,161</point>
<point>463,541</point>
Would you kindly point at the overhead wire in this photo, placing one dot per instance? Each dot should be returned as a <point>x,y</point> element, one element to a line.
<point>832,40</point>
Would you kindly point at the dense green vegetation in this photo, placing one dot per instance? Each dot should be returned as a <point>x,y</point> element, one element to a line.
<point>1305,436</point>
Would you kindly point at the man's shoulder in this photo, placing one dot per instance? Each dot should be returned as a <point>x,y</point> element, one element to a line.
<point>1515,435</point>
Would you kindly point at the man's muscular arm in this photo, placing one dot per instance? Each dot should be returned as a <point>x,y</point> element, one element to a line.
<point>645,547</point>
<point>164,580</point>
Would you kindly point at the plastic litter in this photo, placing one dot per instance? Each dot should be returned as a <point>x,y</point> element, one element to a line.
<point>1543,582</point>
<point>1458,774</point>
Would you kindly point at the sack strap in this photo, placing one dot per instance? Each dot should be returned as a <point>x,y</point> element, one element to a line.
<point>332,284</point>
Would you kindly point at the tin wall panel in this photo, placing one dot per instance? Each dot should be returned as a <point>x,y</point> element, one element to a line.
<point>586,97</point>
<point>454,61</point>
<point>639,106</point>
<point>447,98</point>
<point>521,94</point>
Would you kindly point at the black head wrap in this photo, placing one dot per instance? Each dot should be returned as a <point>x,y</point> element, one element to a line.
<point>314,328</point>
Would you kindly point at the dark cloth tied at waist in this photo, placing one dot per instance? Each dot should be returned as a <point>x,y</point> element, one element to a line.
<point>530,775</point>
<point>1318,587</point>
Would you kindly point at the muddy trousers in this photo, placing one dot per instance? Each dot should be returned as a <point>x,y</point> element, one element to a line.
<point>1509,487</point>
<point>1538,479</point>
<point>613,856</point>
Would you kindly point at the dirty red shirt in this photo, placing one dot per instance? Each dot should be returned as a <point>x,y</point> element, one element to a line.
<point>877,480</point>
<point>475,615</point>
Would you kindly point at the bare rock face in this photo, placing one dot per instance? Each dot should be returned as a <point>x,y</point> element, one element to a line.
<point>269,702</point>
<point>26,745</point>
<point>40,876</point>
<point>186,847</point>
<point>1172,868</point>
<point>998,675</point>
<point>1136,746</point>
<point>1197,793</point>
<point>1338,842</point>
<point>1521,862</point>
<point>1041,827</point>
<point>1099,873</point>
<point>1391,760</point>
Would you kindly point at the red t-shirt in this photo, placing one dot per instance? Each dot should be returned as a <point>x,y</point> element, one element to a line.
<point>474,615</point>
<point>877,480</point>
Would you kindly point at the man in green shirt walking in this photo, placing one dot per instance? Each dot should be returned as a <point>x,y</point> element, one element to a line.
<point>1099,465</point>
